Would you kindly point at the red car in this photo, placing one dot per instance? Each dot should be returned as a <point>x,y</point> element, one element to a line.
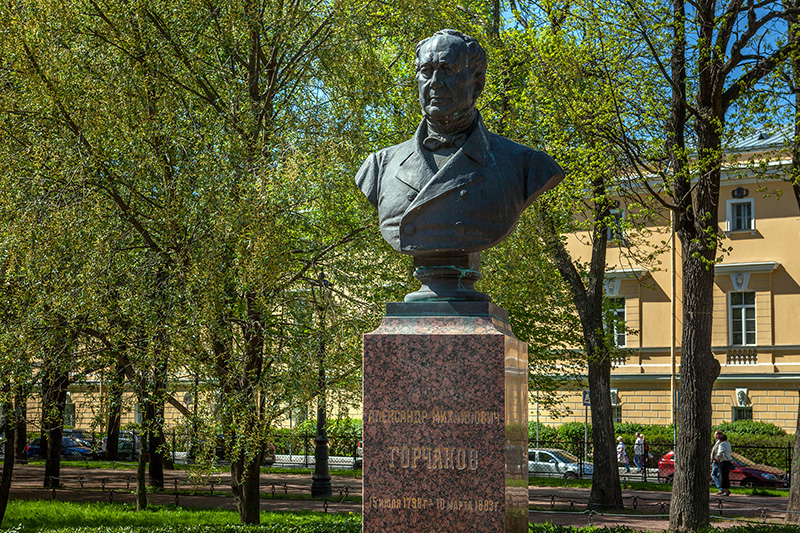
<point>744,472</point>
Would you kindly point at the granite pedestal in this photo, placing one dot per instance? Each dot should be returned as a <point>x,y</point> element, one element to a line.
<point>445,431</point>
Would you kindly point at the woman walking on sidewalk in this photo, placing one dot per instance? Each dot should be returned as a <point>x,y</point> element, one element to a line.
<point>714,463</point>
<point>724,458</point>
<point>622,457</point>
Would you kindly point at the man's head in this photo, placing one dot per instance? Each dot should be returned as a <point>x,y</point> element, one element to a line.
<point>451,73</point>
<point>717,433</point>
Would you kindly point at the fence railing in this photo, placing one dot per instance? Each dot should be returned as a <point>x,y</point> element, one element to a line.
<point>290,451</point>
<point>766,466</point>
<point>755,465</point>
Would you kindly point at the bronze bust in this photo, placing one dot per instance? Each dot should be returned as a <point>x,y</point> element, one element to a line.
<point>454,189</point>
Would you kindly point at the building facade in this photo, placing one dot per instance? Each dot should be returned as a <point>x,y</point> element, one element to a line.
<point>756,331</point>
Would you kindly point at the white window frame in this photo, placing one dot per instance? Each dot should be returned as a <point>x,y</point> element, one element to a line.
<point>616,407</point>
<point>729,215</point>
<point>741,308</point>
<point>618,330</point>
<point>70,412</point>
<point>615,231</point>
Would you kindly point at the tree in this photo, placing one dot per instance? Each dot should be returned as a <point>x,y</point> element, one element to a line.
<point>706,76</point>
<point>8,429</point>
<point>572,114</point>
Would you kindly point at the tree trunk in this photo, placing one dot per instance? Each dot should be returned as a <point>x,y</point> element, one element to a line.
<point>793,509</point>
<point>698,370</point>
<point>9,424</point>
<point>54,398</point>
<point>115,391</point>
<point>21,428</point>
<point>794,66</point>
<point>245,481</point>
<point>606,493</point>
<point>154,414</point>
<point>249,464</point>
<point>141,471</point>
<point>154,407</point>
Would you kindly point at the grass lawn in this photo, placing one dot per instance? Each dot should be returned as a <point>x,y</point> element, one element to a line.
<point>34,516</point>
<point>63,517</point>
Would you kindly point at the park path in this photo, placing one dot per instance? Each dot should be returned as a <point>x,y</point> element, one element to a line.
<point>556,505</point>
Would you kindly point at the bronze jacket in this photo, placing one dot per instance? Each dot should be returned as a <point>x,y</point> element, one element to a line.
<point>472,203</point>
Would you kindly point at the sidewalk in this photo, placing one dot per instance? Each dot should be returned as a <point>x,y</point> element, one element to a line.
<point>644,511</point>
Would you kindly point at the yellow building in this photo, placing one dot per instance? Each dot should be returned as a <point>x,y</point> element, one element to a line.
<point>756,335</point>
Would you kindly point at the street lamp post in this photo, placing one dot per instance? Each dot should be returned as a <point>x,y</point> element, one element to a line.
<point>321,480</point>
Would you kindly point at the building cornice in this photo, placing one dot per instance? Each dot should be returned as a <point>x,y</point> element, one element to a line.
<point>626,273</point>
<point>758,267</point>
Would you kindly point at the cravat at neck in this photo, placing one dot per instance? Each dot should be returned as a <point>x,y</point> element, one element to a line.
<point>436,141</point>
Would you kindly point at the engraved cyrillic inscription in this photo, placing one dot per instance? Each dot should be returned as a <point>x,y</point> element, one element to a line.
<point>467,505</point>
<point>398,416</point>
<point>436,416</point>
<point>477,505</point>
<point>400,503</point>
<point>447,416</point>
<point>433,457</point>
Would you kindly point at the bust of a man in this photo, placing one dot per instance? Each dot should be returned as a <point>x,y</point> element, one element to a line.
<point>454,189</point>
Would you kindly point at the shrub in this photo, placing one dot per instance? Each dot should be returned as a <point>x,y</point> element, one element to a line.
<point>546,433</point>
<point>659,436</point>
<point>751,427</point>
<point>573,431</point>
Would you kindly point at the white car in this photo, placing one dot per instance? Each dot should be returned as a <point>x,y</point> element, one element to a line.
<point>551,462</point>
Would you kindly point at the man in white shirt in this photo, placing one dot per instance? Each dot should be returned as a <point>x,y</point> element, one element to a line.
<point>638,452</point>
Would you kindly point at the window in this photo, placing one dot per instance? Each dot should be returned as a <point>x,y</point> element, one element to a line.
<point>69,412</point>
<point>545,457</point>
<point>615,225</point>
<point>743,318</point>
<point>741,413</point>
<point>616,407</point>
<point>615,321</point>
<point>740,215</point>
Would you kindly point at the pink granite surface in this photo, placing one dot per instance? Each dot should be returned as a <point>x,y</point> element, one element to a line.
<point>445,426</point>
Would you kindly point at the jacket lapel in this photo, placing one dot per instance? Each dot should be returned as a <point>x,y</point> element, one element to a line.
<point>416,168</point>
<point>464,167</point>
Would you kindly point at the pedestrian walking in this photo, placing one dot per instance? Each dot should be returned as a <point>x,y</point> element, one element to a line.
<point>725,460</point>
<point>622,457</point>
<point>638,452</point>
<point>714,463</point>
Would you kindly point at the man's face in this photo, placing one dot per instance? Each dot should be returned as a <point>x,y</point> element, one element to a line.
<point>716,435</point>
<point>446,84</point>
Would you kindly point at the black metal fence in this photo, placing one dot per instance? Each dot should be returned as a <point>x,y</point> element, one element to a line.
<point>766,466</point>
<point>287,450</point>
<point>755,465</point>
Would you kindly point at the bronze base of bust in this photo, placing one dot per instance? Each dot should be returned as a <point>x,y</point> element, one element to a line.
<point>448,278</point>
